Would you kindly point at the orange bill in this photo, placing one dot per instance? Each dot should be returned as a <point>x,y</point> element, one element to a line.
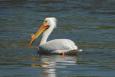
<point>42,28</point>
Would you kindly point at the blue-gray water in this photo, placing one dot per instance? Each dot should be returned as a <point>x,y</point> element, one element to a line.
<point>90,23</point>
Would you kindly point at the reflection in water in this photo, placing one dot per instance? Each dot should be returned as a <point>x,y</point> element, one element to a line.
<point>50,64</point>
<point>49,70</point>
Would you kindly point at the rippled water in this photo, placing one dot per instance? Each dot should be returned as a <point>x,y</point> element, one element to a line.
<point>90,23</point>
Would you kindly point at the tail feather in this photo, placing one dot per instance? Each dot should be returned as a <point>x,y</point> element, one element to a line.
<point>80,50</point>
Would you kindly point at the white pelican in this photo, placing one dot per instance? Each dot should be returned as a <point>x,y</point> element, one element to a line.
<point>57,46</point>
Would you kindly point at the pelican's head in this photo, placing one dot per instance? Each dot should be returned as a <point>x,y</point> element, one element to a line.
<point>49,22</point>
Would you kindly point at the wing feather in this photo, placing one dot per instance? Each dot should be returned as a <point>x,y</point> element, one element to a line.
<point>59,44</point>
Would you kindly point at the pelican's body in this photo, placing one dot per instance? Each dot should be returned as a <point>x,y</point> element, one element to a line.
<point>56,46</point>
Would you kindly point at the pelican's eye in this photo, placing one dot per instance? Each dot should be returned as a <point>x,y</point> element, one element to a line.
<point>45,21</point>
<point>46,24</point>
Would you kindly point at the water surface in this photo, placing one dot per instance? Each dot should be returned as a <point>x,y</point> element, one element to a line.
<point>90,23</point>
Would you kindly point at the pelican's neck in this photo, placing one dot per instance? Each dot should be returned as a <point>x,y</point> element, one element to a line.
<point>46,35</point>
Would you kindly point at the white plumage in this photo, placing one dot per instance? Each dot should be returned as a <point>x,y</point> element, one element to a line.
<point>59,46</point>
<point>56,45</point>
